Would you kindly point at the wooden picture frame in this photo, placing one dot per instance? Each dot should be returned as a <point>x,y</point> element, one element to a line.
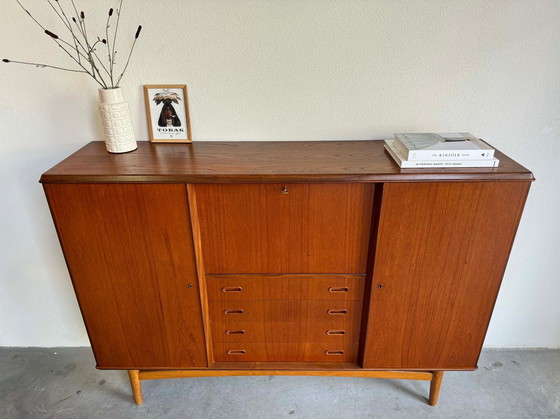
<point>167,112</point>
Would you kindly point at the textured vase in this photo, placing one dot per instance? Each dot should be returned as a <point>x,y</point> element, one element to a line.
<point>117,123</point>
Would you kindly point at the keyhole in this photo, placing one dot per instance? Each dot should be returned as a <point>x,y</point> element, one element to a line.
<point>284,189</point>
<point>380,286</point>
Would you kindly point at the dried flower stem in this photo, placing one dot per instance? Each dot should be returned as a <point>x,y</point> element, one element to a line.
<point>107,42</point>
<point>75,10</point>
<point>47,66</point>
<point>115,36</point>
<point>61,16</point>
<point>94,53</point>
<point>130,55</point>
<point>58,41</point>
<point>80,49</point>
<point>68,24</point>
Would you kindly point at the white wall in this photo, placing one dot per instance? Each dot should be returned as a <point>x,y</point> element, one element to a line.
<point>291,69</point>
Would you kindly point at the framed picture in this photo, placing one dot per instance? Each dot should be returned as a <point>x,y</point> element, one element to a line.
<point>167,108</point>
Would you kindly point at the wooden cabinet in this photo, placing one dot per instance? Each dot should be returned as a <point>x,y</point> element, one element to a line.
<point>315,258</point>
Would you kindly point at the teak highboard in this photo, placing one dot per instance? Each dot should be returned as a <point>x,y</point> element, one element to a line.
<point>283,258</point>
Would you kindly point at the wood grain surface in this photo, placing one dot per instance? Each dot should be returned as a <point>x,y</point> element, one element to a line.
<point>202,288</point>
<point>260,162</point>
<point>265,369</point>
<point>285,317</point>
<point>441,253</point>
<point>225,289</point>
<point>286,330</point>
<point>343,330</point>
<point>129,250</point>
<point>287,311</point>
<point>313,228</point>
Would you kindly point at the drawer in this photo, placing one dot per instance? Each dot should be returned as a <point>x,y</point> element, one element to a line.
<point>244,312</point>
<point>231,288</point>
<point>284,332</point>
<point>285,352</point>
<point>285,228</point>
<point>285,318</point>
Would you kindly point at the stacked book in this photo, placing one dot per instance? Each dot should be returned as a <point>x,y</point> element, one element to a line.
<point>440,150</point>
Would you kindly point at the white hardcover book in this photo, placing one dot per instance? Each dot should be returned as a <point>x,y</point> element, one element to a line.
<point>409,164</point>
<point>449,146</point>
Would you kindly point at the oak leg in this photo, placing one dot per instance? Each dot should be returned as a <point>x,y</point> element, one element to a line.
<point>136,386</point>
<point>435,384</point>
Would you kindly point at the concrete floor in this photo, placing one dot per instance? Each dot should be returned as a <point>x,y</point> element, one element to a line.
<point>63,383</point>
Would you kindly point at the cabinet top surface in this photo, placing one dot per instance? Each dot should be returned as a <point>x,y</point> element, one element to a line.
<point>258,162</point>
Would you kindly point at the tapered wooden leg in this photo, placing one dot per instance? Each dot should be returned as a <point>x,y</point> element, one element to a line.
<point>136,386</point>
<point>435,384</point>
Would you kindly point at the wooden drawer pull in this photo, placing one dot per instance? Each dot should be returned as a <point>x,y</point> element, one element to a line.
<point>336,332</point>
<point>236,352</point>
<point>339,352</point>
<point>232,289</point>
<point>334,312</point>
<point>339,289</point>
<point>235,332</point>
<point>238,311</point>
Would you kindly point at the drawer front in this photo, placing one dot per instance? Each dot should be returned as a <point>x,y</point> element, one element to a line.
<point>231,288</point>
<point>334,331</point>
<point>245,312</point>
<point>286,330</point>
<point>285,228</point>
<point>285,318</point>
<point>285,352</point>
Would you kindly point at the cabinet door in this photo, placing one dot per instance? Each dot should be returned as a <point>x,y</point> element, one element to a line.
<point>291,228</point>
<point>129,250</point>
<point>441,253</point>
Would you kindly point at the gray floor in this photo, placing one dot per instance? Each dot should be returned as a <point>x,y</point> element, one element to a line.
<point>63,383</point>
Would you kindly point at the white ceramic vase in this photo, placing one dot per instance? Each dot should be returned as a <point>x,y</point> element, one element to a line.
<point>117,123</point>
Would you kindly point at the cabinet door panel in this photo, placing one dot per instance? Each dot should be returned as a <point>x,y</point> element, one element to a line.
<point>310,228</point>
<point>441,253</point>
<point>129,250</point>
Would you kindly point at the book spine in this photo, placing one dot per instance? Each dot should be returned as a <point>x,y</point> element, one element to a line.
<point>401,148</point>
<point>409,151</point>
<point>407,164</point>
<point>450,155</point>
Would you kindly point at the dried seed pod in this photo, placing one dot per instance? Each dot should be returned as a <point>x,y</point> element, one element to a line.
<point>52,35</point>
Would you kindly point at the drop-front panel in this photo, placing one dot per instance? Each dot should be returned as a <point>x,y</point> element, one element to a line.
<point>183,256</point>
<point>285,228</point>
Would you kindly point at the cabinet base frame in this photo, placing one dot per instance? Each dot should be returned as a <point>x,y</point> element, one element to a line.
<point>136,376</point>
